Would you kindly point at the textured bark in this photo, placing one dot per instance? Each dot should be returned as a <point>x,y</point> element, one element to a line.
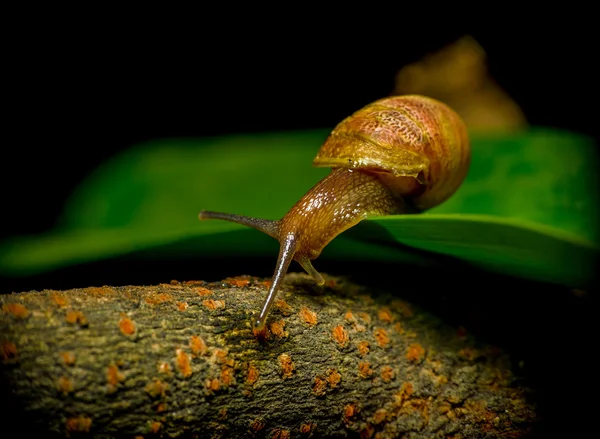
<point>180,359</point>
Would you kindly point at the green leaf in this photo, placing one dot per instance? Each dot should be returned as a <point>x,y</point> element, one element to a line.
<point>528,207</point>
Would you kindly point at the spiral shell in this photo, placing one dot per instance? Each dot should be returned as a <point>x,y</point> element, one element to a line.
<point>418,145</point>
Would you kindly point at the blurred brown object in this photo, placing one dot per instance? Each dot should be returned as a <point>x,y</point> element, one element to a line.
<point>458,76</point>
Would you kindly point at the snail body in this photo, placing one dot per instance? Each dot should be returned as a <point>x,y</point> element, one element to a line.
<point>397,155</point>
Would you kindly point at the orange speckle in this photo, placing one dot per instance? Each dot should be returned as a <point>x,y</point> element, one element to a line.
<point>156,388</point>
<point>79,424</point>
<point>8,351</point>
<point>385,315</point>
<point>222,416</point>
<point>266,283</point>
<point>227,376</point>
<point>404,393</point>
<point>182,306</point>
<point>387,374</point>
<point>340,335</point>
<point>277,329</point>
<point>64,385</point>
<point>76,317</point>
<point>364,369</point>
<point>59,300</point>
<point>163,367</point>
<point>287,365</point>
<point>100,291</point>
<point>307,316</point>
<point>350,410</point>
<point>155,427</point>
<point>366,318</point>
<point>363,348</point>
<point>330,283</point>
<point>404,308</point>
<point>220,356</point>
<point>280,433</point>
<point>183,363</point>
<point>367,431</point>
<point>68,358</point>
<point>319,386</point>
<point>307,428</point>
<point>126,326</point>
<point>213,304</point>
<point>349,317</point>
<point>114,377</point>
<point>198,346</point>
<point>261,334</point>
<point>156,298</point>
<point>379,416</point>
<point>257,425</point>
<point>16,309</point>
<point>382,337</point>
<point>161,407</point>
<point>193,283</point>
<point>415,352</point>
<point>333,377</point>
<point>237,281</point>
<point>213,384</point>
<point>398,328</point>
<point>283,307</point>
<point>203,292</point>
<point>252,376</point>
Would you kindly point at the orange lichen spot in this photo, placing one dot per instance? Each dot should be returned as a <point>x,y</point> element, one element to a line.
<point>363,348</point>
<point>65,385</point>
<point>308,316</point>
<point>161,407</point>
<point>156,298</point>
<point>398,328</point>
<point>222,415</point>
<point>76,317</point>
<point>156,388</point>
<point>365,317</point>
<point>68,358</point>
<point>333,377</point>
<point>114,376</point>
<point>307,428</point>
<point>213,384</point>
<point>213,304</point>
<point>287,365</point>
<point>415,352</point>
<point>284,307</point>
<point>379,416</point>
<point>277,329</point>
<point>227,376</point>
<point>364,369</point>
<point>261,335</point>
<point>100,291</point>
<point>198,346</point>
<point>266,283</point>
<point>402,307</point>
<point>126,326</point>
<point>59,300</point>
<point>172,285</point>
<point>257,425</point>
<point>193,283</point>
<point>220,356</point>
<point>349,317</point>
<point>163,367</point>
<point>182,306</point>
<point>237,281</point>
<point>183,363</point>
<point>469,354</point>
<point>340,335</point>
<point>436,379</point>
<point>252,376</point>
<point>331,283</point>
<point>155,427</point>
<point>319,386</point>
<point>79,424</point>
<point>8,351</point>
<point>16,309</point>
<point>350,410</point>
<point>382,337</point>
<point>387,374</point>
<point>406,390</point>
<point>386,315</point>
<point>280,433</point>
<point>203,292</point>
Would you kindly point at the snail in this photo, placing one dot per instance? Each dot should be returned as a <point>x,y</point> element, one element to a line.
<point>397,155</point>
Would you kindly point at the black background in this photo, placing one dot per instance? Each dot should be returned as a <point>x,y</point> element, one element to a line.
<point>79,92</point>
